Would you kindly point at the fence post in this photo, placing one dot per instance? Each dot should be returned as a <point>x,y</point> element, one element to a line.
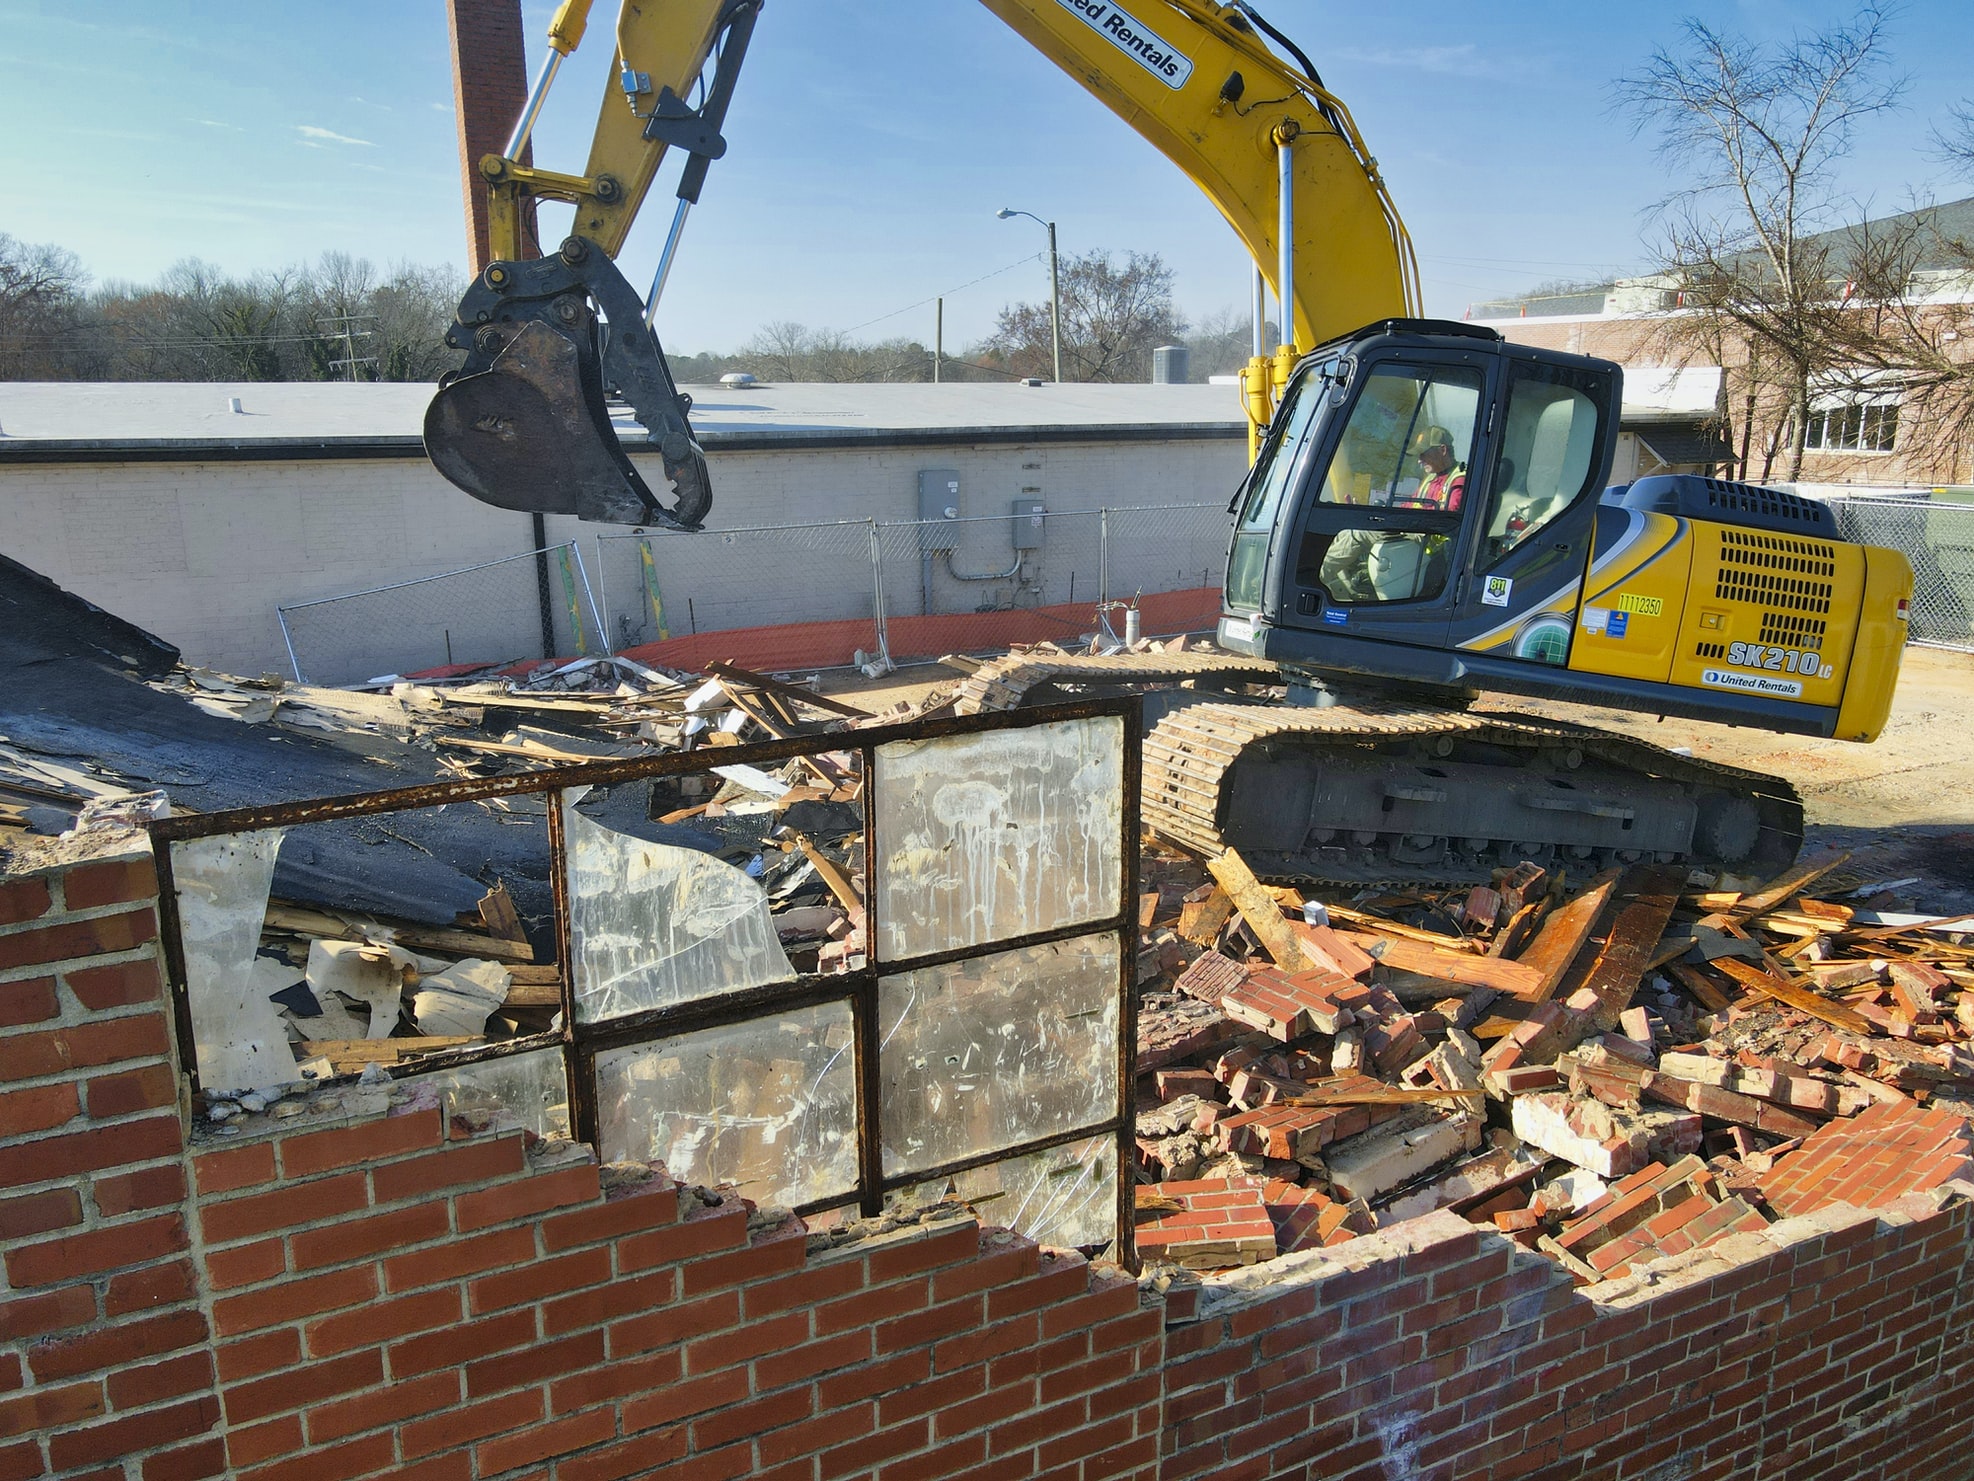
<point>589,594</point>
<point>877,595</point>
<point>1103,555</point>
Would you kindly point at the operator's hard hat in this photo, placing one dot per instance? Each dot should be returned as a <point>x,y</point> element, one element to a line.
<point>1428,437</point>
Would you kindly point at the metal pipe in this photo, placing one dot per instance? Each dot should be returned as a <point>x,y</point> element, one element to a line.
<point>536,97</point>
<point>1285,226</point>
<point>1055,302</point>
<point>1260,313</point>
<point>665,262</point>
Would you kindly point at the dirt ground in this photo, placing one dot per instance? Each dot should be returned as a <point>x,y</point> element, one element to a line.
<point>1903,805</point>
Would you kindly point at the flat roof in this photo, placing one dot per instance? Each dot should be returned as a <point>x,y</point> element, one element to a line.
<point>73,420</point>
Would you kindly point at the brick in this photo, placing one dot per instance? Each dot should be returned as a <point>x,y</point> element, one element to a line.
<point>757,1416</point>
<point>649,1205</point>
<point>684,1400</point>
<point>635,1457</point>
<point>110,882</point>
<point>82,1046</point>
<point>131,1091</point>
<point>558,1437</point>
<point>743,1344</point>
<point>910,1257</point>
<point>282,1208</point>
<point>36,1213</point>
<point>799,1364</point>
<point>456,1345</point>
<point>360,1145</point>
<point>538,1279</point>
<point>457,1258</point>
<point>247,1264</point>
<point>138,1432</point>
<point>31,1000</point>
<point>50,1408</point>
<point>393,1404</point>
<point>469,1422</point>
<point>118,985</point>
<point>525,1198</point>
<point>291,1300</point>
<point>47,1312</point>
<point>360,1457</point>
<point>24,900</point>
<point>715,1313</point>
<point>41,1108</point>
<point>473,1162</point>
<point>68,940</point>
<point>536,1363</point>
<point>867,1308</point>
<point>96,1252</point>
<point>718,1229</point>
<point>620,1379</point>
<point>250,1357</point>
<point>136,1192</point>
<point>153,1383</point>
<point>250,1445</point>
<point>234,1168</point>
<point>358,1239</point>
<point>599,1304</point>
<point>378,1322</point>
<point>105,1347</point>
<point>61,1157</point>
<point>188,1462</point>
<point>301,1387</point>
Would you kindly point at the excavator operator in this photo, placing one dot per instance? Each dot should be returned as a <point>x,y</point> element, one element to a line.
<point>1445,478</point>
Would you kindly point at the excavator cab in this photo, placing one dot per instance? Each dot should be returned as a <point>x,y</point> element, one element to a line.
<point>1422,484</point>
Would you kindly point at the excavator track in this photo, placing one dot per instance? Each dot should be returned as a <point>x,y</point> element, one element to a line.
<point>1404,793</point>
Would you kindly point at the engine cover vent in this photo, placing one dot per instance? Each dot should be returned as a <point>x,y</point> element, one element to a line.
<point>1748,505</point>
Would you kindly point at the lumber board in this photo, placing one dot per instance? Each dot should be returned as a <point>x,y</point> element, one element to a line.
<point>284,915</point>
<point>341,1052</point>
<point>1645,901</point>
<point>1754,978</point>
<point>727,669</point>
<point>1259,910</point>
<point>1791,883</point>
<point>1516,978</point>
<point>1366,921</point>
<point>1563,934</point>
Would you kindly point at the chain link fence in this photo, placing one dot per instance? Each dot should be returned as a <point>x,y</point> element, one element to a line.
<point>531,606</point>
<point>907,589</point>
<point>1937,537</point>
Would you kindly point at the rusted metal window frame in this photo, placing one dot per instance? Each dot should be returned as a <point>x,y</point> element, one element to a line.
<point>581,1042</point>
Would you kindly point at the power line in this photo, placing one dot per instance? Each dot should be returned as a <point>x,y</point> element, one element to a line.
<point>946,293</point>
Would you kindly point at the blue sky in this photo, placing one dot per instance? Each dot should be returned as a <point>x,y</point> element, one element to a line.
<point>870,145</point>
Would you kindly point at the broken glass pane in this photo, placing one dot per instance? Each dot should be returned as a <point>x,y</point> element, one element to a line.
<point>983,837</point>
<point>1066,1196</point>
<point>530,1091</point>
<point>222,886</point>
<point>652,925</point>
<point>996,1051</point>
<point>769,1105</point>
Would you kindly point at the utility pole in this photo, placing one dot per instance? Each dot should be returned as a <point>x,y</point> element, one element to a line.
<point>1055,303</point>
<point>938,337</point>
<point>349,334</point>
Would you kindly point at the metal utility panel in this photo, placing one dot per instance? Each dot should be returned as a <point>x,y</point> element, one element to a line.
<point>1029,524</point>
<point>939,493</point>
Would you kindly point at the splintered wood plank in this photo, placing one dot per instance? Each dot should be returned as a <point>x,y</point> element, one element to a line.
<point>533,995</point>
<point>1387,1097</point>
<point>1200,920</point>
<point>1510,937</point>
<point>355,1053</point>
<point>1383,927</point>
<point>838,882</point>
<point>1785,885</point>
<point>1258,909</point>
<point>498,915</point>
<point>1563,935</point>
<point>302,921</point>
<point>1645,901</point>
<point>1755,979</point>
<point>1516,978</point>
<point>1695,982</point>
<point>729,670</point>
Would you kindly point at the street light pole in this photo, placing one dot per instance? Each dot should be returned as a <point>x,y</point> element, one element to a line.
<point>1055,284</point>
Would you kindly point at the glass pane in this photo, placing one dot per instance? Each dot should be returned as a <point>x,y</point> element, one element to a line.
<point>1066,1196</point>
<point>1548,448</point>
<point>989,1053</point>
<point>1408,442</point>
<point>984,837</point>
<point>651,925</point>
<point>1360,564</point>
<point>222,887</point>
<point>769,1106</point>
<point>530,1091</point>
<point>1275,466</point>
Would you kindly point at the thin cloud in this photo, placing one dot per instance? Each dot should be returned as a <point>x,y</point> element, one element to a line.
<point>317,137</point>
<point>213,123</point>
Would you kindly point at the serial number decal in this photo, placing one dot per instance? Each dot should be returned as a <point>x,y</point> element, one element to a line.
<point>1641,606</point>
<point>1239,629</point>
<point>1752,683</point>
<point>1135,39</point>
<point>1805,661</point>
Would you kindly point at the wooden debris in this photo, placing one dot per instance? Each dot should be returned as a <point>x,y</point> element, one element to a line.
<point>1258,909</point>
<point>1563,935</point>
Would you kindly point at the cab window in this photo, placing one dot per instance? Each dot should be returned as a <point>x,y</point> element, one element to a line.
<point>1276,464</point>
<point>1548,454</point>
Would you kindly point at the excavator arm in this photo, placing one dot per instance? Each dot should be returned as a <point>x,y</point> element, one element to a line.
<point>525,422</point>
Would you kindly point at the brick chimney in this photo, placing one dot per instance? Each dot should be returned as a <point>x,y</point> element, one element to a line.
<point>489,90</point>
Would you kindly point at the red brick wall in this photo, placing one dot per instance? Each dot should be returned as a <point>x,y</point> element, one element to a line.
<point>371,1298</point>
<point>489,90</point>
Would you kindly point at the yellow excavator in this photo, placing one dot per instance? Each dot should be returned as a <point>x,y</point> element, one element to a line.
<point>1425,519</point>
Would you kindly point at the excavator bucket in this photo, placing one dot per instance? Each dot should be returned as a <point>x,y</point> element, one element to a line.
<point>525,424</point>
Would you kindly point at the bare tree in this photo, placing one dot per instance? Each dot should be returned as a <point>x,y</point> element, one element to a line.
<point>1753,131</point>
<point>785,351</point>
<point>41,304</point>
<point>1113,316</point>
<point>1223,341</point>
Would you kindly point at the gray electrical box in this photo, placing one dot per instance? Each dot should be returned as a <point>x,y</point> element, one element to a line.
<point>1028,522</point>
<point>939,493</point>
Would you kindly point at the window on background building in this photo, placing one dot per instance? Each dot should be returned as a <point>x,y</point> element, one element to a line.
<point>1853,427</point>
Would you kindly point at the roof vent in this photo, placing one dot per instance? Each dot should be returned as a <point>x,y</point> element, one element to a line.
<point>739,378</point>
<point>1033,380</point>
<point>233,405</point>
